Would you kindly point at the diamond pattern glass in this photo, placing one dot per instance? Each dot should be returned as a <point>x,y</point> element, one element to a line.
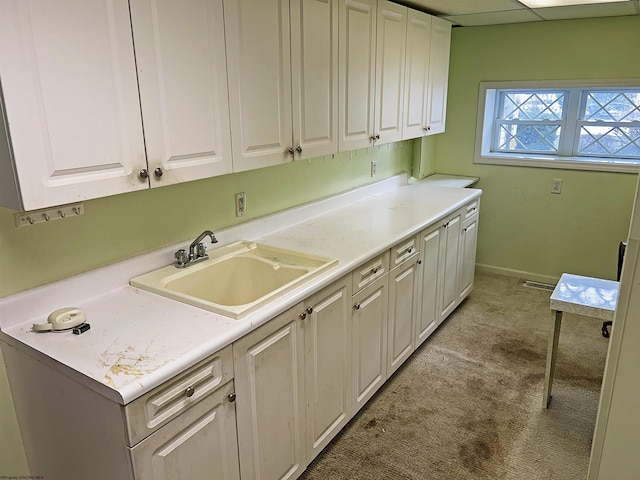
<point>611,106</point>
<point>529,138</point>
<point>532,105</point>
<point>609,141</point>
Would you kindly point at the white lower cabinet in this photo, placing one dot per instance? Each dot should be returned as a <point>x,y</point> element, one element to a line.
<point>293,384</point>
<point>448,277</point>
<point>403,296</point>
<point>270,399</point>
<point>468,243</point>
<point>200,444</point>
<point>369,330</point>
<point>428,312</point>
<point>327,354</point>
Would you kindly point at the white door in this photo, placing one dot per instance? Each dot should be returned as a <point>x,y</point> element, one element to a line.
<point>314,75</point>
<point>369,323</point>
<point>402,308</point>
<point>327,340</point>
<point>259,69</point>
<point>390,65</point>
<point>468,242</point>
<point>269,378</point>
<point>416,74</point>
<point>438,75</point>
<point>357,72</point>
<point>428,316</point>
<point>200,444</point>
<point>449,261</point>
<point>182,74</point>
<point>71,99</point>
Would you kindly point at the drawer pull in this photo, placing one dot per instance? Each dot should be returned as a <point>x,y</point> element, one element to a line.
<point>303,315</point>
<point>190,391</point>
<point>419,262</point>
<point>374,270</point>
<point>357,306</point>
<point>232,397</point>
<point>410,249</point>
<point>309,310</point>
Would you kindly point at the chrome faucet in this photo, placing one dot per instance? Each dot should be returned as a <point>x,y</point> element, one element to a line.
<point>197,251</point>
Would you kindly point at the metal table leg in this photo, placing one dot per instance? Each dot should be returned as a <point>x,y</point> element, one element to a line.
<point>552,350</point>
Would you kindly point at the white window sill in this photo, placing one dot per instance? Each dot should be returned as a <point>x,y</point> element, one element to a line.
<point>570,163</point>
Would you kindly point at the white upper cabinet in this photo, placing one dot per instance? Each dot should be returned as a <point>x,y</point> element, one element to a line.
<point>259,67</point>
<point>183,88</point>
<point>357,73</point>
<point>314,75</point>
<point>438,75</point>
<point>70,103</point>
<point>390,67</point>
<point>416,74</point>
<point>282,62</point>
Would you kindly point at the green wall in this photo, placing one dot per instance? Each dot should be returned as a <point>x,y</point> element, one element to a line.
<point>524,229</point>
<point>126,225</point>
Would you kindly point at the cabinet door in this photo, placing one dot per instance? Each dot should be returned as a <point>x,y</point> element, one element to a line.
<point>428,316</point>
<point>449,261</point>
<point>416,76</point>
<point>200,444</point>
<point>182,75</point>
<point>259,68</point>
<point>438,75</point>
<point>71,99</point>
<point>357,73</point>
<point>269,377</point>
<point>390,55</point>
<point>314,74</point>
<point>327,340</point>
<point>468,242</point>
<point>369,324</point>
<point>402,311</point>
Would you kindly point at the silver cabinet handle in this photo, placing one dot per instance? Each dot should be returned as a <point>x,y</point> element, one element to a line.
<point>303,315</point>
<point>377,136</point>
<point>299,149</point>
<point>357,306</point>
<point>190,391</point>
<point>309,310</point>
<point>232,397</point>
<point>419,262</point>
<point>158,172</point>
<point>291,151</point>
<point>372,138</point>
<point>410,249</point>
<point>374,270</point>
<point>143,174</point>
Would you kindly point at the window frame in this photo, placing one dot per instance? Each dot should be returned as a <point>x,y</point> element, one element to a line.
<point>486,121</point>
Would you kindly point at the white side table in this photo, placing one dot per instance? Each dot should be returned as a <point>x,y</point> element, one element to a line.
<point>590,297</point>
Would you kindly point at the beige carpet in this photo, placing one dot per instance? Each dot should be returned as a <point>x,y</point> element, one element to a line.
<point>468,403</point>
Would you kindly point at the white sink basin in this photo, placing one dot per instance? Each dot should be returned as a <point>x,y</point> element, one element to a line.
<point>237,279</point>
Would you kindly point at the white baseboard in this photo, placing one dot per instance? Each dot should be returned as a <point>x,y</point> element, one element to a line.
<point>509,272</point>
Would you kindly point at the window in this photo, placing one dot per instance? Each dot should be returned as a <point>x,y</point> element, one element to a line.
<point>560,124</point>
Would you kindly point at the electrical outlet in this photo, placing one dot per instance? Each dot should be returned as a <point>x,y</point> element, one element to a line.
<point>241,204</point>
<point>556,186</point>
<point>373,168</point>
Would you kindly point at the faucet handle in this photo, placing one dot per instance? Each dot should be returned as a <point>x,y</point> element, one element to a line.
<point>201,250</point>
<point>182,257</point>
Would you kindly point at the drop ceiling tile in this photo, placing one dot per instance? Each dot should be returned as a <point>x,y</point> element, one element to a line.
<point>462,7</point>
<point>494,18</point>
<point>585,11</point>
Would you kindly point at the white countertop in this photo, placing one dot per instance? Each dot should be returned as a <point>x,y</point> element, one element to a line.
<point>138,340</point>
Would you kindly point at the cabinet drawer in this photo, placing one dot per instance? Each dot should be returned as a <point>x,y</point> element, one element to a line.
<point>471,209</point>
<point>369,272</point>
<point>403,251</point>
<point>156,408</point>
